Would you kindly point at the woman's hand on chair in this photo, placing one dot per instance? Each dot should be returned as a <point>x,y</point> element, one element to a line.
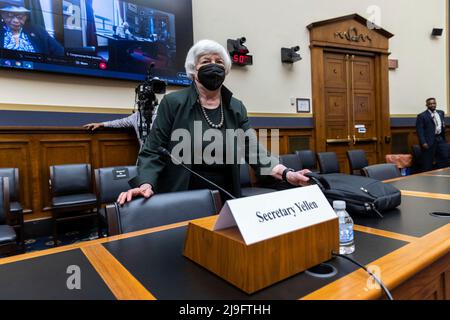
<point>144,190</point>
<point>298,178</point>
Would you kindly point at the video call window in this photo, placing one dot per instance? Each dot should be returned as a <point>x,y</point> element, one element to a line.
<point>108,38</point>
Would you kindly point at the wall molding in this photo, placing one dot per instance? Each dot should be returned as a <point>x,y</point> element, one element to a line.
<point>64,109</point>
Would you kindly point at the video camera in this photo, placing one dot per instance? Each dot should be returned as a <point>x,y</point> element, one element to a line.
<point>146,99</point>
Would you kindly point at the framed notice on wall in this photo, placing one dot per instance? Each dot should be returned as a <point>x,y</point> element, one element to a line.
<point>303,105</point>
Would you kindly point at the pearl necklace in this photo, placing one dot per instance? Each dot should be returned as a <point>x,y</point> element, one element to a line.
<point>211,124</point>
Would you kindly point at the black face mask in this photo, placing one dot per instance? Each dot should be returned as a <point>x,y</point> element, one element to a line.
<point>211,76</point>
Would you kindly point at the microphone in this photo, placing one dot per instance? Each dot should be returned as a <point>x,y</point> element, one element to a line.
<point>164,152</point>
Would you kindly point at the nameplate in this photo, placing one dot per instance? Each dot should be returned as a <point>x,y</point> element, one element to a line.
<point>270,215</point>
<point>120,173</point>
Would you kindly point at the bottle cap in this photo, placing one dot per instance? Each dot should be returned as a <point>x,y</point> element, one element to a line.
<point>339,205</point>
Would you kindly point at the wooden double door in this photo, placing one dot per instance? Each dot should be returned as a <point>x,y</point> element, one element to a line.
<point>350,105</point>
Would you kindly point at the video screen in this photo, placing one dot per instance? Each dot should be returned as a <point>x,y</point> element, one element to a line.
<point>102,38</point>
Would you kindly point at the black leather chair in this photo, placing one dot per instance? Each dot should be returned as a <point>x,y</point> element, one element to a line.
<point>247,190</point>
<point>71,191</point>
<point>357,160</point>
<point>16,210</point>
<point>110,182</point>
<point>291,161</point>
<point>328,162</point>
<point>417,158</point>
<point>308,159</point>
<point>162,209</point>
<point>8,236</point>
<point>383,171</point>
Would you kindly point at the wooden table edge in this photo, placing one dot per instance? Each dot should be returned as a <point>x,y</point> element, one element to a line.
<point>396,267</point>
<point>119,280</point>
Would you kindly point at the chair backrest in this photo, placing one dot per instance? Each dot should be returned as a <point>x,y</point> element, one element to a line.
<point>308,159</point>
<point>328,162</point>
<point>111,181</point>
<point>291,161</point>
<point>357,160</point>
<point>162,209</point>
<point>13,177</point>
<point>4,199</point>
<point>244,172</point>
<point>70,179</point>
<point>383,171</point>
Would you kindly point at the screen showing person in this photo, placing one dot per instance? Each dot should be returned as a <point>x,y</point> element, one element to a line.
<point>106,38</point>
<point>17,32</point>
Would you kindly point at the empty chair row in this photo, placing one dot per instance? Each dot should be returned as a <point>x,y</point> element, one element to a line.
<point>72,190</point>
<point>328,163</point>
<point>307,159</point>
<point>141,213</point>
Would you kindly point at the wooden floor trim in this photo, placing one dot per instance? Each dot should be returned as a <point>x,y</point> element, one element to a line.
<point>120,281</point>
<point>440,196</point>
<point>387,234</point>
<point>80,245</point>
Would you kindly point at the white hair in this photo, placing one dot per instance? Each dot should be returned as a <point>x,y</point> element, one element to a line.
<point>201,48</point>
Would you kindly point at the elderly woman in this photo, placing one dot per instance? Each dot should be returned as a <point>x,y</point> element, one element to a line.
<point>16,34</point>
<point>208,105</point>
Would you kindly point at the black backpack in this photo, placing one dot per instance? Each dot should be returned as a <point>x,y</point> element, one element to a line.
<point>361,194</point>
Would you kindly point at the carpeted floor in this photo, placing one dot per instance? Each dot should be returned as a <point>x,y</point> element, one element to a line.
<point>71,237</point>
<point>39,234</point>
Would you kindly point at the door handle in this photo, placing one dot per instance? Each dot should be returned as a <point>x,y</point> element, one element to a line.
<point>387,139</point>
<point>373,139</point>
<point>335,141</point>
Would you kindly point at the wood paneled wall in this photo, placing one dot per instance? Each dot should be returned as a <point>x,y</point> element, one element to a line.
<point>33,150</point>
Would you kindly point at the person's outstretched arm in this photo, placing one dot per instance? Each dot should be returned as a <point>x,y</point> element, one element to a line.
<point>118,123</point>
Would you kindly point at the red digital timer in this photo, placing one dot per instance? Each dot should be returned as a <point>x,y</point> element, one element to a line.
<point>242,59</point>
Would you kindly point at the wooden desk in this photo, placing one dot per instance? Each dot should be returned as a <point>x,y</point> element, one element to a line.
<point>409,247</point>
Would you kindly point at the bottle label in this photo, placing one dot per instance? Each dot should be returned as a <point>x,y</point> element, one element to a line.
<point>346,234</point>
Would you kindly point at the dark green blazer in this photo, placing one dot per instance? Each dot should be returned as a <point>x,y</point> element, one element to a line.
<point>176,112</point>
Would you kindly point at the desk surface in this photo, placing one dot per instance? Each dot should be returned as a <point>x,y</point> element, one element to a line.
<point>148,264</point>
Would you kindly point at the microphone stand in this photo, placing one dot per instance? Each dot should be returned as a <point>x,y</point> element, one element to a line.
<point>164,152</point>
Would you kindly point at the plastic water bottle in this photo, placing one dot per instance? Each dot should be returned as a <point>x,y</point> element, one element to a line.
<point>346,240</point>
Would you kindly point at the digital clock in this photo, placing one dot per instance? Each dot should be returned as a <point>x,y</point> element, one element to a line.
<point>241,59</point>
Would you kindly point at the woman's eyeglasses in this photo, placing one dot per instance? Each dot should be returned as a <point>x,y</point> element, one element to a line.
<point>11,15</point>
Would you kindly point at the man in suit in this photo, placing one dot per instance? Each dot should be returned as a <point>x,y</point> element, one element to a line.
<point>430,127</point>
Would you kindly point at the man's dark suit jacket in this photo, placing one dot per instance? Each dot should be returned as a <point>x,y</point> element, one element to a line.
<point>39,38</point>
<point>426,128</point>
